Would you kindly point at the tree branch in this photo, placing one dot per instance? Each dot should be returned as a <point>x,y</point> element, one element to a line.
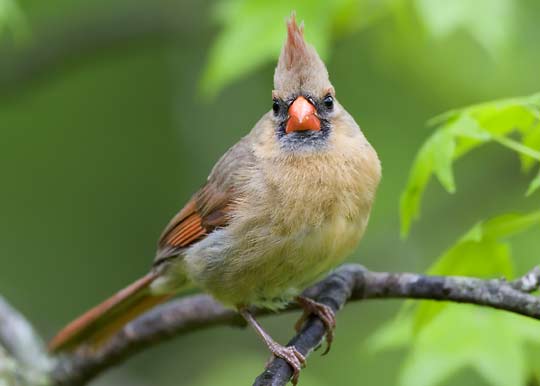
<point>23,358</point>
<point>18,338</point>
<point>350,282</point>
<point>356,283</point>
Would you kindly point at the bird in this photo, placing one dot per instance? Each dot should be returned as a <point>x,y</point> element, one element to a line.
<point>280,209</point>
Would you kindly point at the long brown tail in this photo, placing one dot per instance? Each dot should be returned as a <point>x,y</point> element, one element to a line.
<point>95,326</point>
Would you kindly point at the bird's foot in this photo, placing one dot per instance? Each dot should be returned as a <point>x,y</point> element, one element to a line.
<point>290,355</point>
<point>325,313</point>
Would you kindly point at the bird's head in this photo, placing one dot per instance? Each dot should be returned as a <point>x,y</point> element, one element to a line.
<point>303,99</point>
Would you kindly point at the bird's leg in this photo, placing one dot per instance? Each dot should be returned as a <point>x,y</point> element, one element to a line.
<point>325,313</point>
<point>290,354</point>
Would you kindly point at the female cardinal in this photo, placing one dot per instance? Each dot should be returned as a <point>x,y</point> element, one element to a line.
<point>282,207</point>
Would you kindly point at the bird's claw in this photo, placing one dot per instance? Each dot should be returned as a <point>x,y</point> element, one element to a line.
<point>323,312</point>
<point>292,356</point>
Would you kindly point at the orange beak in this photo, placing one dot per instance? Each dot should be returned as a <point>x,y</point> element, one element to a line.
<point>302,116</point>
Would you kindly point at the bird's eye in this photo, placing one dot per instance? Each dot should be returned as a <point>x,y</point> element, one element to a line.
<point>328,102</point>
<point>275,106</point>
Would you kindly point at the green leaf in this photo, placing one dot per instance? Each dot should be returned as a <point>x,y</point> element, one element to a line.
<point>12,19</point>
<point>485,258</point>
<point>531,139</point>
<point>481,252</point>
<point>475,258</point>
<point>503,117</point>
<point>436,156</point>
<point>254,31</point>
<point>392,335</point>
<point>460,131</point>
<point>418,179</point>
<point>508,225</point>
<point>469,134</point>
<point>490,342</point>
<point>534,185</point>
<point>465,126</point>
<point>443,18</point>
<point>518,147</point>
<point>443,147</point>
<point>533,352</point>
<point>444,338</point>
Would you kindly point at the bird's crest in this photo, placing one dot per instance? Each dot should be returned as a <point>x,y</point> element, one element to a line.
<point>299,67</point>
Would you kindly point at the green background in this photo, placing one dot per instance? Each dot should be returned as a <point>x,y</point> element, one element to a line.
<point>105,132</point>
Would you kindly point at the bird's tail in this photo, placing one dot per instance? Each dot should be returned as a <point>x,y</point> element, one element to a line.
<point>95,326</point>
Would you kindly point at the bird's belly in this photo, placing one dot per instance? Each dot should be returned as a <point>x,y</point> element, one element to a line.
<point>265,268</point>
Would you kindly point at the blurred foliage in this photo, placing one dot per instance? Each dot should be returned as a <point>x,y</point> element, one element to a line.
<point>461,131</point>
<point>12,19</point>
<point>492,31</point>
<point>253,33</point>
<point>493,343</point>
<point>535,184</point>
<point>102,139</point>
<point>445,338</point>
<point>253,29</point>
<point>435,331</point>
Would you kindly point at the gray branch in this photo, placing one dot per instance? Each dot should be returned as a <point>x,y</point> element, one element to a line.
<point>353,282</point>
<point>23,358</point>
<point>349,282</point>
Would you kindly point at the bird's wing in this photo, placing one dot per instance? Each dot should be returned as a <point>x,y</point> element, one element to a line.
<point>209,208</point>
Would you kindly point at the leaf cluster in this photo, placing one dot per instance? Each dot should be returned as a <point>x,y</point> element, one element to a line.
<point>443,339</point>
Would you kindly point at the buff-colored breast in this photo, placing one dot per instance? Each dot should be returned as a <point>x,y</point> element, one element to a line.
<point>296,217</point>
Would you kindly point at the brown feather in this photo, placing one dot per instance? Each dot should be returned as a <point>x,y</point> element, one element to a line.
<point>299,67</point>
<point>209,208</point>
<point>105,319</point>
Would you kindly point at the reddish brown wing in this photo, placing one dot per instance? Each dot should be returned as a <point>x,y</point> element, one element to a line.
<point>191,224</point>
<point>209,208</point>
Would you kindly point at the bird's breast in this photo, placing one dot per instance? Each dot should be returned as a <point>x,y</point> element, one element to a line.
<point>293,221</point>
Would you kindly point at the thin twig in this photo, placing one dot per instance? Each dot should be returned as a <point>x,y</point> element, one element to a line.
<point>529,282</point>
<point>23,358</point>
<point>19,339</point>
<point>349,282</point>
